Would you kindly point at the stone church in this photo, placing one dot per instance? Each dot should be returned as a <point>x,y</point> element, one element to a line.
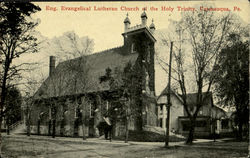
<point>74,100</point>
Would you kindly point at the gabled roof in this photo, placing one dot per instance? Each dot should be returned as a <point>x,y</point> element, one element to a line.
<point>165,92</point>
<point>218,113</point>
<point>191,98</point>
<point>81,75</point>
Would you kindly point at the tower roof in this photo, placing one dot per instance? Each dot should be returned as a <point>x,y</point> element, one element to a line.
<point>152,26</point>
<point>127,19</point>
<point>144,14</point>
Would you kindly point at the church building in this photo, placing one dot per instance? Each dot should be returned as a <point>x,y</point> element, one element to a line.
<point>80,93</point>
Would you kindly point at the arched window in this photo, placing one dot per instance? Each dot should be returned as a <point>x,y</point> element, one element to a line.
<point>133,48</point>
<point>148,54</point>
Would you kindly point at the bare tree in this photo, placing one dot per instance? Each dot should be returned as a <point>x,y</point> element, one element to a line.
<point>29,99</point>
<point>29,86</point>
<point>79,70</point>
<point>71,76</point>
<point>71,46</point>
<point>205,31</point>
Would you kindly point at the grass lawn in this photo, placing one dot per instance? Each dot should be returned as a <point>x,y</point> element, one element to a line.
<point>29,148</point>
<point>188,152</point>
<point>225,149</point>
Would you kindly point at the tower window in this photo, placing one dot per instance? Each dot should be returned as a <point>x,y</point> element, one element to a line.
<point>148,55</point>
<point>133,48</point>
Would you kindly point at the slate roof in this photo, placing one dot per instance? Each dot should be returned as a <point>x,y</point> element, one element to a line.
<point>164,93</point>
<point>60,84</point>
<point>191,98</point>
<point>85,75</point>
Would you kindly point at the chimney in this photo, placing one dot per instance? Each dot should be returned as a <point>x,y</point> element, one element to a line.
<point>52,64</point>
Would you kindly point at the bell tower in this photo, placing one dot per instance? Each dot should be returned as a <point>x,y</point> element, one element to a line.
<point>140,41</point>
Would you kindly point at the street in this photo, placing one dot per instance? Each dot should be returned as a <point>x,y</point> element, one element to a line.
<point>46,147</point>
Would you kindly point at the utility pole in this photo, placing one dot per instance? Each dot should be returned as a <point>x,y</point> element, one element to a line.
<point>168,96</point>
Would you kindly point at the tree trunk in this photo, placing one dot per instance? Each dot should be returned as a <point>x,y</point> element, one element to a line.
<point>0,137</point>
<point>49,128</point>
<point>2,100</point>
<point>28,125</point>
<point>190,138</point>
<point>8,126</point>
<point>54,121</point>
<point>62,127</point>
<point>110,133</point>
<point>38,127</point>
<point>240,130</point>
<point>114,127</point>
<point>126,130</point>
<point>83,131</point>
<point>54,129</point>
<point>214,123</point>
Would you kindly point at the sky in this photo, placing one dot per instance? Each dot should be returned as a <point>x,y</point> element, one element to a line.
<point>106,27</point>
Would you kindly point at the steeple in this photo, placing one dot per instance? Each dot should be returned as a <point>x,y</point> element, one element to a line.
<point>144,18</point>
<point>126,23</point>
<point>152,26</point>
